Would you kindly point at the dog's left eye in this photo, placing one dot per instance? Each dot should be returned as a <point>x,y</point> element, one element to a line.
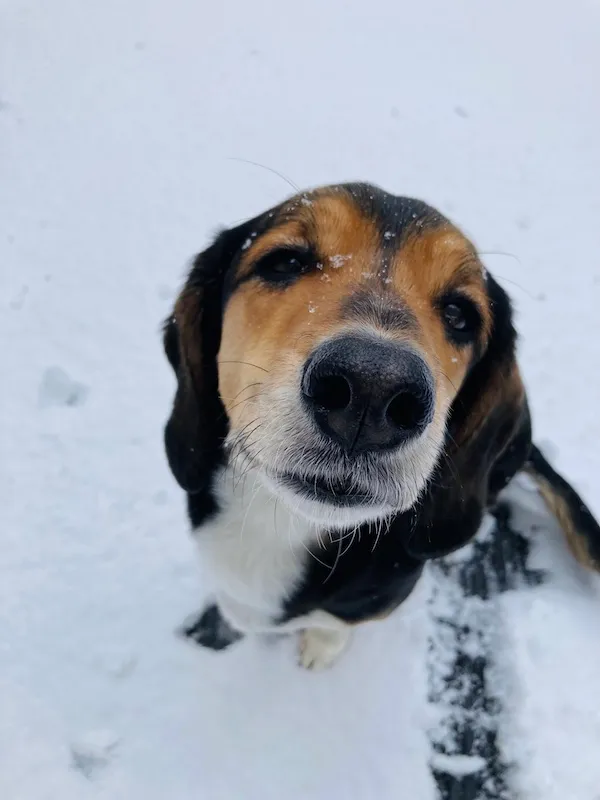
<point>455,317</point>
<point>281,266</point>
<point>461,317</point>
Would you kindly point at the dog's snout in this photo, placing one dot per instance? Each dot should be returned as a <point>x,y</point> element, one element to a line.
<point>368,394</point>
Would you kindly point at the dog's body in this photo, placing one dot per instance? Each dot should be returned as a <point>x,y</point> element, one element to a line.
<point>348,406</point>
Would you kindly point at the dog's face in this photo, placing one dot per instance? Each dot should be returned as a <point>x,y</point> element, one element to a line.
<point>339,331</point>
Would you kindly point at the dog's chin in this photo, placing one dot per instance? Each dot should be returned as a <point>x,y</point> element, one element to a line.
<point>323,506</point>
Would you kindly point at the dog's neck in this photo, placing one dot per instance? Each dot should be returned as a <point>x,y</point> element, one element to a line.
<point>247,504</point>
<point>255,548</point>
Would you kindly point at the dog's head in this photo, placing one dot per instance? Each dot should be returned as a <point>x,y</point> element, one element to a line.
<point>349,347</point>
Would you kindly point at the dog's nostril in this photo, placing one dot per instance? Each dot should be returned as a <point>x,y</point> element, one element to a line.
<point>406,410</point>
<point>331,392</point>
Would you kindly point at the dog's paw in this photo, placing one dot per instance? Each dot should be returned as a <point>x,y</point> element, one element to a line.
<point>320,648</point>
<point>210,629</point>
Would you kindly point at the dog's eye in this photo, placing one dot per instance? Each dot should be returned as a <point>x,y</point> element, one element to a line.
<point>454,316</point>
<point>461,318</point>
<point>289,265</point>
<point>282,266</point>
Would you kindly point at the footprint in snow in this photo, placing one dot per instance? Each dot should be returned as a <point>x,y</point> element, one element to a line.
<point>93,752</point>
<point>57,388</point>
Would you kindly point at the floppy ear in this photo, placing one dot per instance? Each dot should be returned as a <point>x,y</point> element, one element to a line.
<point>488,441</point>
<point>197,427</point>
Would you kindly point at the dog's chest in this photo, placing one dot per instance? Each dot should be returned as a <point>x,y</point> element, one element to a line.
<point>255,549</point>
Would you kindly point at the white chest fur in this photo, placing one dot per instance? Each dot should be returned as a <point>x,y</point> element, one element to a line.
<point>255,550</point>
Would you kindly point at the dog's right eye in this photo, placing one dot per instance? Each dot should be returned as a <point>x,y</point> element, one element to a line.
<point>282,266</point>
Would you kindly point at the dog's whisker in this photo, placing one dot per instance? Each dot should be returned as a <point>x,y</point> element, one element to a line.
<point>268,169</point>
<point>245,400</point>
<point>246,363</point>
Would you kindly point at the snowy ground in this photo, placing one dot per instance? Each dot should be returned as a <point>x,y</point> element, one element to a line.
<point>118,123</point>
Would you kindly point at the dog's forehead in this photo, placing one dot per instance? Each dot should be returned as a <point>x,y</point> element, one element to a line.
<point>357,214</point>
<point>374,235</point>
<point>392,214</point>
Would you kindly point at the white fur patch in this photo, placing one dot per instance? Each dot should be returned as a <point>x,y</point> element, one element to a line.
<point>256,551</point>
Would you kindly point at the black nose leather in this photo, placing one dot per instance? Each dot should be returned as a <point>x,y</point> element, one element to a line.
<point>367,393</point>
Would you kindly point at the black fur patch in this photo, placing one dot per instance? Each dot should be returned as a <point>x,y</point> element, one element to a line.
<point>394,215</point>
<point>358,576</point>
<point>211,630</point>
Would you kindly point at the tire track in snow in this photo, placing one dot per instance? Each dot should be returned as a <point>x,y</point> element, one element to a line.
<point>464,649</point>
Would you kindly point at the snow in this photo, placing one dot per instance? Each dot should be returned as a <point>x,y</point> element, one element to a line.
<point>93,751</point>
<point>552,639</point>
<point>339,259</point>
<point>458,765</point>
<point>120,127</point>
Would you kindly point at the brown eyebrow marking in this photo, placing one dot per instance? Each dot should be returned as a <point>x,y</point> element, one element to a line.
<point>464,277</point>
<point>382,310</point>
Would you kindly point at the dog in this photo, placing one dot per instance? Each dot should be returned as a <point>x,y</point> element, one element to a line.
<point>348,406</point>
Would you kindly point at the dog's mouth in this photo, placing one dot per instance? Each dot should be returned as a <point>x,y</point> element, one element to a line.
<point>363,487</point>
<point>335,492</point>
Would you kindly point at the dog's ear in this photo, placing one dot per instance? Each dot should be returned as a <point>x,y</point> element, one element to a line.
<point>488,441</point>
<point>197,427</point>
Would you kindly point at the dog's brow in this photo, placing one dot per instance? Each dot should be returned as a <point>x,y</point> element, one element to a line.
<point>468,273</point>
<point>277,238</point>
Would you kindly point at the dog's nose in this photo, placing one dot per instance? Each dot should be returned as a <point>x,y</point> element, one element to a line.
<point>368,394</point>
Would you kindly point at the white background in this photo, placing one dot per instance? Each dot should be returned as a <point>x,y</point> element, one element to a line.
<point>118,125</point>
